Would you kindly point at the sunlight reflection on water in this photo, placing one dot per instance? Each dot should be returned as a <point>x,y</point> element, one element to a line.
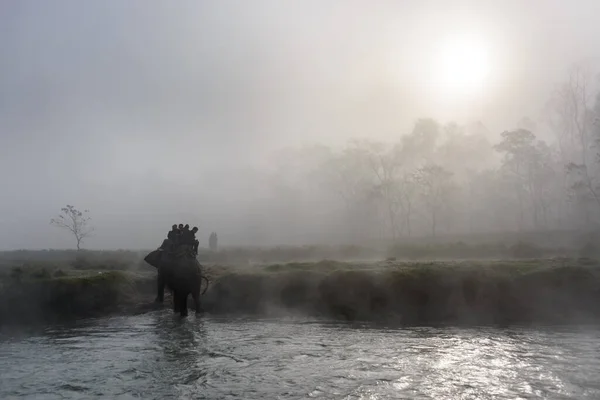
<point>158,356</point>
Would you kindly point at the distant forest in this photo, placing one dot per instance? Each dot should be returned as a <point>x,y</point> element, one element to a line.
<point>450,179</point>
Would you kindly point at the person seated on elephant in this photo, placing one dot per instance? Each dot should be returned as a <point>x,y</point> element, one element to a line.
<point>186,236</point>
<point>179,234</point>
<point>171,241</point>
<point>172,235</point>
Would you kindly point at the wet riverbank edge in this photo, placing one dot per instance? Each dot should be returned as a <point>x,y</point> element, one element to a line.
<point>550,291</point>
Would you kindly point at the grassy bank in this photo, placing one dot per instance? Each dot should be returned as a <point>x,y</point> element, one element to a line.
<point>42,299</point>
<point>537,291</point>
<point>512,245</point>
<point>513,248</point>
<point>499,292</point>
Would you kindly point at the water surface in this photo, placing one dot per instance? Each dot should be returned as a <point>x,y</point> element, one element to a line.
<point>159,356</point>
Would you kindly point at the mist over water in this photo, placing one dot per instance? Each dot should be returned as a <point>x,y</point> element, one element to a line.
<point>156,356</point>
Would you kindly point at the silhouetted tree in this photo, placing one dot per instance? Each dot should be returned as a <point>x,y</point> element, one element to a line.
<point>74,221</point>
<point>435,185</point>
<point>573,119</point>
<point>530,167</point>
<point>517,147</point>
<point>384,165</point>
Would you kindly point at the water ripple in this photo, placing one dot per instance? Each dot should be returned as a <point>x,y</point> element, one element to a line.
<point>159,356</point>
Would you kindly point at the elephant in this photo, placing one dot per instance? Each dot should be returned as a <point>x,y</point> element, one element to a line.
<point>181,272</point>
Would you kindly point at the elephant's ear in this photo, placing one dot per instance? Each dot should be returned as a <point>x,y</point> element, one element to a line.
<point>153,258</point>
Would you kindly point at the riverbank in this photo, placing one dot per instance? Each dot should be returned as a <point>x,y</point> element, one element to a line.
<point>559,291</point>
<point>553,291</point>
<point>65,298</point>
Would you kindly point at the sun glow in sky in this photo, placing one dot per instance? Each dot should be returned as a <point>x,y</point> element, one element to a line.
<point>462,66</point>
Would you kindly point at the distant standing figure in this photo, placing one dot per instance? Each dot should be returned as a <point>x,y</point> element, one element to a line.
<point>213,241</point>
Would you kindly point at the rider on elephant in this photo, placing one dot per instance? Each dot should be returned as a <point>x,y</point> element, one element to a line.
<point>173,233</point>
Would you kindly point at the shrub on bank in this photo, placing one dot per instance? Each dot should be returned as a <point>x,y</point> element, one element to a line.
<point>435,293</point>
<point>461,250</point>
<point>41,297</point>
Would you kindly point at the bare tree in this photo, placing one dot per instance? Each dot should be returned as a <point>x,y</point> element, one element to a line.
<point>517,147</point>
<point>406,197</point>
<point>383,164</point>
<point>573,120</point>
<point>75,222</point>
<point>435,186</point>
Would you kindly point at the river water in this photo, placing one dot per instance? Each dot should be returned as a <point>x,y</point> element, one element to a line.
<point>159,356</point>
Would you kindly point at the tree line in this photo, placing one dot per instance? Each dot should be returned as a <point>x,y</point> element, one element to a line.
<point>448,178</point>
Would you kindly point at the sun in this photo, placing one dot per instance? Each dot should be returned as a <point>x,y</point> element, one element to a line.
<point>462,65</point>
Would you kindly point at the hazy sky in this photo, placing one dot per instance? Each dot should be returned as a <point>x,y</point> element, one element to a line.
<point>151,112</point>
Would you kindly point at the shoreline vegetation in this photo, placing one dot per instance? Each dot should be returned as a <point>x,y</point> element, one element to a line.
<point>411,284</point>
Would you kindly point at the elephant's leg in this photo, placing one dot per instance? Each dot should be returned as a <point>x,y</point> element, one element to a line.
<point>176,303</point>
<point>182,300</point>
<point>160,286</point>
<point>197,304</point>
